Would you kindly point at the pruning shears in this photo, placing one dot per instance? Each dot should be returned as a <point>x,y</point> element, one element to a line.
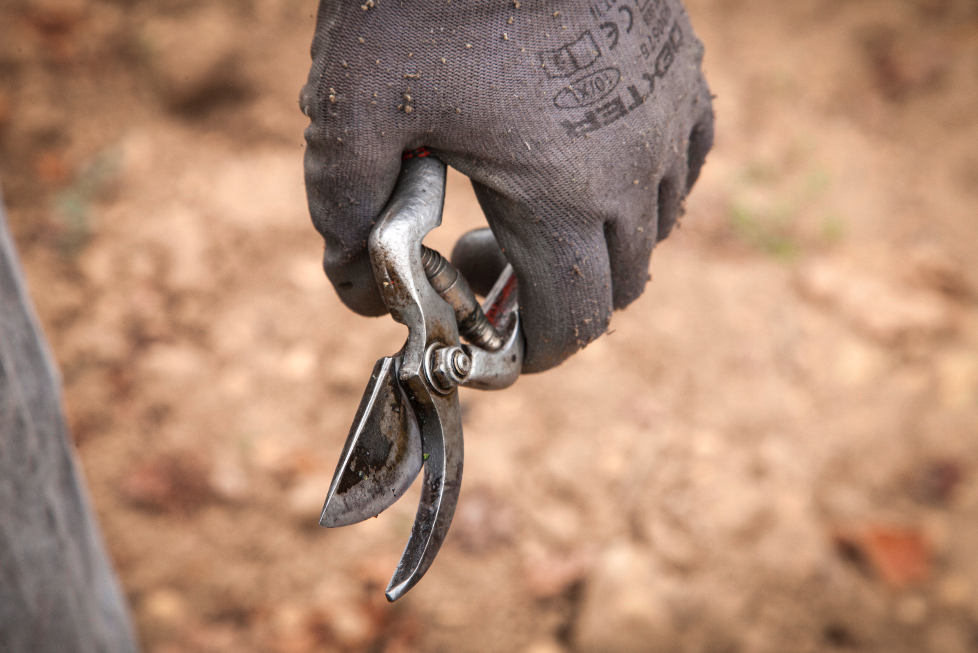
<point>409,415</point>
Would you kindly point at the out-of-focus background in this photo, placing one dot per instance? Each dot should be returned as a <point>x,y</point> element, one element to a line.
<point>775,450</point>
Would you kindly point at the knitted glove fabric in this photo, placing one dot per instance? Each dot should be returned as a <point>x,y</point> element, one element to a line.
<point>582,126</point>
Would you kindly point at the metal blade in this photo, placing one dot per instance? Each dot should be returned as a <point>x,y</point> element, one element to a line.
<point>382,454</point>
<point>441,422</point>
<point>396,256</point>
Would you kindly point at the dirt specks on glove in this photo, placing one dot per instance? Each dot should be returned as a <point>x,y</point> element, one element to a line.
<point>582,131</point>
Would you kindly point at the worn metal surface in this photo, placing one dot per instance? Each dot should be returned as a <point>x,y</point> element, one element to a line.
<point>446,367</point>
<point>395,250</point>
<point>495,370</point>
<point>454,289</point>
<point>382,454</point>
<point>423,292</point>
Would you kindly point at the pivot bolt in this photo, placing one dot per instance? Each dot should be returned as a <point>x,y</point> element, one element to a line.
<point>450,366</point>
<point>461,363</point>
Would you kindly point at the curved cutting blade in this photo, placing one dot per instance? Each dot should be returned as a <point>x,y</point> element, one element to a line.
<point>382,454</point>
<point>441,422</point>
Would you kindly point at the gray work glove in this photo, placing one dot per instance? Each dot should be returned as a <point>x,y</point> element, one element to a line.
<point>581,124</point>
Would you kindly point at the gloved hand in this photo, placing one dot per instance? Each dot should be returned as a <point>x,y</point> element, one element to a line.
<point>581,124</point>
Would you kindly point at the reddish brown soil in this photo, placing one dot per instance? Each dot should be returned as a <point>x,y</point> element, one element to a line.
<point>775,450</point>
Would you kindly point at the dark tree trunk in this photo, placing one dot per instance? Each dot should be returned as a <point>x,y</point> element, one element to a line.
<point>58,593</point>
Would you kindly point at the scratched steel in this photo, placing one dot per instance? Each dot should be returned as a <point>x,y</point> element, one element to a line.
<point>382,455</point>
<point>404,422</point>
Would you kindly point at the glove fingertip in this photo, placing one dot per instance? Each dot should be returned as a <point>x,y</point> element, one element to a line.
<point>478,257</point>
<point>354,283</point>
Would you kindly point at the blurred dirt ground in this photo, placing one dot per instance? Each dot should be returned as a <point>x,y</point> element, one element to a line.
<point>775,450</point>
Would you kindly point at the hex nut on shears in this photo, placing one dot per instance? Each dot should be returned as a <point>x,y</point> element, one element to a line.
<point>446,367</point>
